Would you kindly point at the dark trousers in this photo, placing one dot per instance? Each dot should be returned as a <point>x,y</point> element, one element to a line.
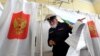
<point>60,49</point>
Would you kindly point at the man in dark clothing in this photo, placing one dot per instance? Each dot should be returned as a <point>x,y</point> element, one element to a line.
<point>58,33</point>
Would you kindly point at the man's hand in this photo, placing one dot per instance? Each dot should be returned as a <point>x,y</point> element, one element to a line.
<point>51,43</point>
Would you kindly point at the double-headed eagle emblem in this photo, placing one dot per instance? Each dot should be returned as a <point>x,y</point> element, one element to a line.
<point>19,25</point>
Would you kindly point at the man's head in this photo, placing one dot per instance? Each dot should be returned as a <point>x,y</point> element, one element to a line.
<point>52,19</point>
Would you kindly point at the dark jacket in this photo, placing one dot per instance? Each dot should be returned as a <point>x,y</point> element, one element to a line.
<point>60,33</point>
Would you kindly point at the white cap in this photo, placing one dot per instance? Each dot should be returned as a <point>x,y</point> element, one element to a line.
<point>48,16</point>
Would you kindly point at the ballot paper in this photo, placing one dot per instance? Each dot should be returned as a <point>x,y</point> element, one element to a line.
<point>73,39</point>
